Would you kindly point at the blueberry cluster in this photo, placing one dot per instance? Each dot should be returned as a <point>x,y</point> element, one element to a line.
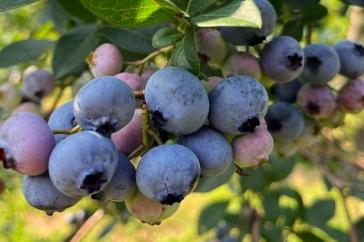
<point>148,137</point>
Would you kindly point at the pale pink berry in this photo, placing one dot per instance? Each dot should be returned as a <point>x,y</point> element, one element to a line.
<point>351,96</point>
<point>242,64</point>
<point>133,80</point>
<point>106,60</point>
<point>29,107</point>
<point>146,74</point>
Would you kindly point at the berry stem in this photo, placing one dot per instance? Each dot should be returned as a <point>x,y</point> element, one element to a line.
<point>74,130</point>
<point>146,126</point>
<point>139,94</point>
<point>151,56</point>
<point>353,231</point>
<point>308,39</point>
<point>88,224</point>
<point>137,152</point>
<point>155,136</point>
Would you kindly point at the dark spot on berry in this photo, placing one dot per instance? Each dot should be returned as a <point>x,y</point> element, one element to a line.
<point>158,120</point>
<point>256,39</point>
<point>249,125</point>
<point>313,62</point>
<point>313,108</point>
<point>39,94</point>
<point>8,162</point>
<point>73,122</point>
<point>359,49</point>
<point>203,58</point>
<point>172,198</point>
<point>274,125</point>
<point>106,128</point>
<point>294,61</point>
<point>93,181</point>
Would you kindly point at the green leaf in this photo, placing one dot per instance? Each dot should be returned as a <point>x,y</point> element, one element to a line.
<point>278,169</point>
<point>299,4</point>
<point>207,184</point>
<point>355,2</point>
<point>75,8</point>
<point>178,6</point>
<point>185,54</point>
<point>211,215</point>
<point>72,49</point>
<point>133,40</point>
<point>293,28</point>
<point>197,7</point>
<point>166,36</point>
<point>314,14</point>
<point>320,212</point>
<point>271,232</point>
<point>23,51</point>
<point>309,236</point>
<point>11,4</point>
<point>123,13</point>
<point>235,13</point>
<point>256,180</point>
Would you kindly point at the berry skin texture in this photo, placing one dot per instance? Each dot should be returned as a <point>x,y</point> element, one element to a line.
<point>210,46</point>
<point>26,142</point>
<point>287,92</point>
<point>253,149</point>
<point>282,59</point>
<point>149,211</point>
<point>284,121</point>
<point>212,150</point>
<point>40,193</point>
<point>122,184</point>
<point>130,137</point>
<point>39,84</point>
<point>106,60</point>
<point>10,96</point>
<point>104,105</point>
<point>242,64</point>
<point>83,164</point>
<point>237,105</point>
<point>177,101</point>
<point>316,101</point>
<point>133,80</point>
<point>253,36</point>
<point>351,96</point>
<point>29,107</point>
<point>167,173</point>
<point>322,64</point>
<point>62,118</point>
<point>351,56</point>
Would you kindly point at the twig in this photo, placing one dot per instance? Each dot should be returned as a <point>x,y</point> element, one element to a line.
<point>88,224</point>
<point>138,151</point>
<point>149,57</point>
<point>308,38</point>
<point>139,94</point>
<point>353,231</point>
<point>155,136</point>
<point>146,126</point>
<point>74,130</point>
<point>255,226</point>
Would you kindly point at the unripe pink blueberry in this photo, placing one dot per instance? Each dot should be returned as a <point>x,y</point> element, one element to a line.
<point>130,137</point>
<point>133,80</point>
<point>242,63</point>
<point>212,82</point>
<point>26,142</point>
<point>39,84</point>
<point>146,74</point>
<point>149,211</point>
<point>29,107</point>
<point>316,101</point>
<point>106,60</point>
<point>351,96</point>
<point>252,149</point>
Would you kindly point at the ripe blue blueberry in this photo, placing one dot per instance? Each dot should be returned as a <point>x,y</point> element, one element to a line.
<point>177,101</point>
<point>237,105</point>
<point>351,56</point>
<point>40,193</point>
<point>253,36</point>
<point>83,163</point>
<point>62,118</point>
<point>284,121</point>
<point>321,64</point>
<point>212,150</point>
<point>287,92</point>
<point>282,59</point>
<point>122,184</point>
<point>104,105</point>
<point>167,173</point>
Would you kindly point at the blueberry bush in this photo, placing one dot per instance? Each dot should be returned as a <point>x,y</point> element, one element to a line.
<point>245,113</point>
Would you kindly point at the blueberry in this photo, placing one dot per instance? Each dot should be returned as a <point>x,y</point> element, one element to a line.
<point>149,211</point>
<point>133,80</point>
<point>253,149</point>
<point>351,56</point>
<point>122,185</point>
<point>242,63</point>
<point>10,96</point>
<point>167,173</point>
<point>83,163</point>
<point>177,101</point>
<point>237,105</point>
<point>287,92</point>
<point>253,36</point>
<point>62,118</point>
<point>316,101</point>
<point>26,142</point>
<point>285,148</point>
<point>284,121</point>
<point>29,107</point>
<point>147,73</point>
<point>104,105</point>
<point>40,193</point>
<point>212,150</point>
<point>106,60</point>
<point>321,64</point>
<point>351,96</point>
<point>282,59</point>
<point>38,84</point>
<point>210,46</point>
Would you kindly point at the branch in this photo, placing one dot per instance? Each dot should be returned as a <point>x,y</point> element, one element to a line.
<point>88,224</point>
<point>353,231</point>
<point>142,62</point>
<point>74,130</point>
<point>255,226</point>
